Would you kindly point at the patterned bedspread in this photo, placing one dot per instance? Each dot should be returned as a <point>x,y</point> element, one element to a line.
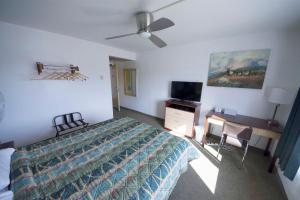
<point>115,159</point>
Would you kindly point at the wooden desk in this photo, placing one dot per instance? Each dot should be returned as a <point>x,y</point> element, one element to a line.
<point>260,127</point>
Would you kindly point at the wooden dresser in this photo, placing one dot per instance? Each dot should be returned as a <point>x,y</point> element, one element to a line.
<point>182,116</point>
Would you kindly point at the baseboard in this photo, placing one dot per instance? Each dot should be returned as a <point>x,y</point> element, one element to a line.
<point>277,171</point>
<point>142,113</point>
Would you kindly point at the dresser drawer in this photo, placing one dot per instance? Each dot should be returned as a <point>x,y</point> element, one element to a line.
<point>179,114</point>
<point>184,128</point>
<point>179,121</point>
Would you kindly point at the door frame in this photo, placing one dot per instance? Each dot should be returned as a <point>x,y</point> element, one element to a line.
<point>116,68</point>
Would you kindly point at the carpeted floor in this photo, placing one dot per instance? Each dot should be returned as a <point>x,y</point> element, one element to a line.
<point>209,178</point>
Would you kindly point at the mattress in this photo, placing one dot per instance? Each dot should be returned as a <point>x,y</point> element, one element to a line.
<point>115,159</point>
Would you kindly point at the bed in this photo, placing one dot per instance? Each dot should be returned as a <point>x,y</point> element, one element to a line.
<point>115,159</point>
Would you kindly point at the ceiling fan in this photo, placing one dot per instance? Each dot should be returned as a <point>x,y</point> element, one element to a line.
<point>146,26</point>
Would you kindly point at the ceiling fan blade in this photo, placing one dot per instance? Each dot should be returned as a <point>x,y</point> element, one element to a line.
<point>119,36</point>
<point>157,41</point>
<point>160,24</point>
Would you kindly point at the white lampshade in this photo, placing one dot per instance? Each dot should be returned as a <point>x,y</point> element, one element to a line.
<point>279,96</point>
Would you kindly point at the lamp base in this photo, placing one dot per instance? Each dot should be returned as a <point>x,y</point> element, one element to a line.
<point>273,123</point>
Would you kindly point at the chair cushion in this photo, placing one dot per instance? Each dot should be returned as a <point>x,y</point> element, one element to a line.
<point>238,132</point>
<point>235,142</point>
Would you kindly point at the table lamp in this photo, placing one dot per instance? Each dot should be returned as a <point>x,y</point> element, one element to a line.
<point>278,96</point>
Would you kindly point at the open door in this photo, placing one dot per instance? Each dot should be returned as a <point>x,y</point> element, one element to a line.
<point>115,86</point>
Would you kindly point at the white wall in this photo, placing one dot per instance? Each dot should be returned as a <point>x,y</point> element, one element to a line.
<point>190,63</point>
<point>31,104</point>
<point>156,69</point>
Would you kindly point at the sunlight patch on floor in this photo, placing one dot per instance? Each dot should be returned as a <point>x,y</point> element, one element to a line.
<point>213,152</point>
<point>207,171</point>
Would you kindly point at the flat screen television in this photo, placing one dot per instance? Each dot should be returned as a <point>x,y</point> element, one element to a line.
<point>190,91</point>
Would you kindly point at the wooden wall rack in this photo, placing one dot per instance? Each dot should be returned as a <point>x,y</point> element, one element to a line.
<point>55,72</point>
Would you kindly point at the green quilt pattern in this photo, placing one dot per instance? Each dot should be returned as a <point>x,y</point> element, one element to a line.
<point>116,159</point>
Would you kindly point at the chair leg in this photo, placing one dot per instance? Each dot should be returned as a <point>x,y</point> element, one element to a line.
<point>220,145</point>
<point>246,150</point>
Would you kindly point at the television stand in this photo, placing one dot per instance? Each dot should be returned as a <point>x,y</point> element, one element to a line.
<point>182,116</point>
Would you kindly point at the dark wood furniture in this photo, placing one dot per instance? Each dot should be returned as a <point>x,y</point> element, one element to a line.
<point>260,127</point>
<point>182,116</point>
<point>9,144</point>
<point>68,122</point>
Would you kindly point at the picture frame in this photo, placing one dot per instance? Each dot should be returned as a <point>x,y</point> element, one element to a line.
<point>130,82</point>
<point>239,69</point>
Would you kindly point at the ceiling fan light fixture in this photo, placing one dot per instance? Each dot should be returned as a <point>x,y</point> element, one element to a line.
<point>146,26</point>
<point>145,34</point>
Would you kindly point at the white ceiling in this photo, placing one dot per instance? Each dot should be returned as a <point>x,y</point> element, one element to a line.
<point>194,19</point>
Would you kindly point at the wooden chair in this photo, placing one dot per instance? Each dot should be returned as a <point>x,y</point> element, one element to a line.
<point>236,135</point>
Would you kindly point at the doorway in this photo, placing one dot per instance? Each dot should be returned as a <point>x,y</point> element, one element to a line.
<point>123,89</point>
<point>114,77</point>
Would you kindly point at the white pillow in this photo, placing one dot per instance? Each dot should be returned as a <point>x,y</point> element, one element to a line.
<point>5,157</point>
<point>7,195</point>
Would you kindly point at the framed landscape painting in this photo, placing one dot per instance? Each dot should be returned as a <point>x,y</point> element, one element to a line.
<point>242,69</point>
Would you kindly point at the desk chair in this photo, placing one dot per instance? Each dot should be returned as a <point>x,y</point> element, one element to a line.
<point>236,135</point>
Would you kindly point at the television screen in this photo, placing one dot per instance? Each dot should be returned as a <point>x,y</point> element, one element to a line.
<point>190,91</point>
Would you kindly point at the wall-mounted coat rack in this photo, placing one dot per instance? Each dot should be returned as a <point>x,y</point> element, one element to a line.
<point>54,72</point>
